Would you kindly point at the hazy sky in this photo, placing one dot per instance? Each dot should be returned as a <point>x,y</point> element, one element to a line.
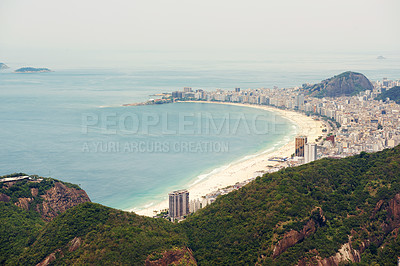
<point>82,30</point>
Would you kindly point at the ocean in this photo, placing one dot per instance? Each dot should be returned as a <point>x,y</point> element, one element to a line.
<point>69,124</point>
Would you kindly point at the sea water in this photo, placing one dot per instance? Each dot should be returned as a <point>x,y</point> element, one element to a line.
<point>70,125</point>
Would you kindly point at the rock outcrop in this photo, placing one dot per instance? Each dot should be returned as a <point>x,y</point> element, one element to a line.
<point>345,254</point>
<point>34,192</point>
<point>393,214</point>
<point>59,198</point>
<point>4,197</point>
<point>293,237</point>
<point>74,244</point>
<point>51,258</point>
<point>174,257</point>
<point>24,203</point>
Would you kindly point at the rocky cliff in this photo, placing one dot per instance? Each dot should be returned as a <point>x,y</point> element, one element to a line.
<point>48,197</point>
<point>345,84</point>
<point>176,256</point>
<point>60,198</point>
<point>293,237</point>
<point>347,253</point>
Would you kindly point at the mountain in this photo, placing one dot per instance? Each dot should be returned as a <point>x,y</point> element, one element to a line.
<point>327,212</point>
<point>46,196</point>
<point>44,219</point>
<point>393,94</point>
<point>26,204</point>
<point>3,66</point>
<point>32,70</point>
<point>94,234</point>
<point>323,212</point>
<point>346,84</point>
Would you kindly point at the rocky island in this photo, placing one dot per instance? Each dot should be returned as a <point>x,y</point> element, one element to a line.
<point>32,70</point>
<point>3,66</point>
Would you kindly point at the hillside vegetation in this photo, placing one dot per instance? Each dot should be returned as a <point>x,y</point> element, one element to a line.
<point>108,236</point>
<point>346,84</point>
<point>326,212</point>
<point>325,202</point>
<point>393,94</point>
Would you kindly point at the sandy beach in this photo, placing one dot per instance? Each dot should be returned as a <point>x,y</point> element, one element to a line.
<point>243,170</point>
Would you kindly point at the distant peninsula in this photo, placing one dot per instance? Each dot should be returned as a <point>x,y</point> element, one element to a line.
<point>32,70</point>
<point>3,66</point>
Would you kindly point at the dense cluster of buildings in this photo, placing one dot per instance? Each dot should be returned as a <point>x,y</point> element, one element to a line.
<point>358,123</point>
<point>180,205</point>
<point>354,124</point>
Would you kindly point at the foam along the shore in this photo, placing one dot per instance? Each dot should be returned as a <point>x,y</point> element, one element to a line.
<point>245,169</point>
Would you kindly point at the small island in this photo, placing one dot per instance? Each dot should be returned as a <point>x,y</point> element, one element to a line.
<point>3,66</point>
<point>32,70</point>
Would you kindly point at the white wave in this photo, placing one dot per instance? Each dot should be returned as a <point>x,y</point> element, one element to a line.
<point>205,176</point>
<point>148,205</point>
<point>137,209</point>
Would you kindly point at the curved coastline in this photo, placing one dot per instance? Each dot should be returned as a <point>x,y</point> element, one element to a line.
<point>246,167</point>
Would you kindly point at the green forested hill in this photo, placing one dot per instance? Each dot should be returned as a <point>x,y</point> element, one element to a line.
<point>18,229</point>
<point>338,196</point>
<point>393,94</point>
<point>302,214</point>
<point>108,236</point>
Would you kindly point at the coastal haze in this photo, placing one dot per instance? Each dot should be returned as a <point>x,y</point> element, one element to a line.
<point>75,34</point>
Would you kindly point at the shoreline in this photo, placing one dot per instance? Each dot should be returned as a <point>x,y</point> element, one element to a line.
<point>244,169</point>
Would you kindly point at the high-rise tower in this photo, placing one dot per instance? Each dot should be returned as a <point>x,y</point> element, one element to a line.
<point>299,146</point>
<point>178,204</point>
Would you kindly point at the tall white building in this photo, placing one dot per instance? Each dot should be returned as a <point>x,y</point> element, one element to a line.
<point>310,152</point>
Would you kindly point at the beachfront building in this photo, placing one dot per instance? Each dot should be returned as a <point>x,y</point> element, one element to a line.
<point>178,204</point>
<point>300,143</point>
<point>310,152</point>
